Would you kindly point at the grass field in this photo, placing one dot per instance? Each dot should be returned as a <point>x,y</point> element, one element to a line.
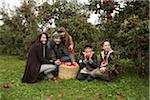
<point>124,87</point>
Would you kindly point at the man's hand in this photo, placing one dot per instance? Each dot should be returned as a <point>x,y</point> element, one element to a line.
<point>57,62</point>
<point>50,60</point>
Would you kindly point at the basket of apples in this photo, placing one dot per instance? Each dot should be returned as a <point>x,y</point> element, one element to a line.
<point>68,70</point>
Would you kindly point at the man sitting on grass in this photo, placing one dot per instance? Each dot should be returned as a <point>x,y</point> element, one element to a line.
<point>59,52</point>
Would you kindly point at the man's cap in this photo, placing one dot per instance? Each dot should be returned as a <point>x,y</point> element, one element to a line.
<point>56,35</point>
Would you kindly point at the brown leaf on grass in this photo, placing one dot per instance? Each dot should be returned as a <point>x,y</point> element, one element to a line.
<point>119,96</point>
<point>98,96</point>
<point>13,81</point>
<point>49,98</point>
<point>55,80</point>
<point>49,88</point>
<point>14,92</point>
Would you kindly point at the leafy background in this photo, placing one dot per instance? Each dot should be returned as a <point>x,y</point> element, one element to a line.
<point>128,31</point>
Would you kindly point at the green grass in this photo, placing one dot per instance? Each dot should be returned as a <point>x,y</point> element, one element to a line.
<point>124,87</point>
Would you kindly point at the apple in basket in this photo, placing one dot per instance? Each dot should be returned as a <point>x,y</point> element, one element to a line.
<point>63,63</point>
<point>71,64</point>
<point>68,63</point>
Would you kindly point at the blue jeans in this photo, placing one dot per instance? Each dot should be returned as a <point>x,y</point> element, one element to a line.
<point>65,59</point>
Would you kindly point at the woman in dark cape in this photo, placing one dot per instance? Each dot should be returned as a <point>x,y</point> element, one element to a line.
<point>38,60</point>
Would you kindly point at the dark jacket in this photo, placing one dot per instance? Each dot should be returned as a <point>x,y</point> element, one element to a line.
<point>37,56</point>
<point>59,50</point>
<point>89,64</point>
<point>112,60</point>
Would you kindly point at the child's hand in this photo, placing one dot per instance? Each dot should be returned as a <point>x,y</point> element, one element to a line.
<point>104,64</point>
<point>85,56</point>
<point>90,61</point>
<point>85,61</point>
<point>90,55</point>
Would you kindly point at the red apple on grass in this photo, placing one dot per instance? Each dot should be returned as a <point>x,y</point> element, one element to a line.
<point>6,86</point>
<point>59,95</point>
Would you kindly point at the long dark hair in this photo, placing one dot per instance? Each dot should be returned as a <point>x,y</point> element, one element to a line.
<point>104,42</point>
<point>38,37</point>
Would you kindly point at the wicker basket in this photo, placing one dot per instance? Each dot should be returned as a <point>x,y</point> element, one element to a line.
<point>66,72</point>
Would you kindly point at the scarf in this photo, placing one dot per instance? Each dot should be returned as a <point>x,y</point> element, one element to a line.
<point>105,57</point>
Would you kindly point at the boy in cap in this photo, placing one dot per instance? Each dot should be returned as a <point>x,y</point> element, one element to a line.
<point>88,62</point>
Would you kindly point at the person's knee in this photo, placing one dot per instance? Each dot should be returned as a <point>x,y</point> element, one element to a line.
<point>53,67</point>
<point>65,59</point>
<point>79,76</point>
<point>90,78</point>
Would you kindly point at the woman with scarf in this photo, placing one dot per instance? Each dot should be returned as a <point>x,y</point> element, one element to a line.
<point>107,69</point>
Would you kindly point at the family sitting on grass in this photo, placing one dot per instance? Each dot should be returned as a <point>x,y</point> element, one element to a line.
<point>44,58</point>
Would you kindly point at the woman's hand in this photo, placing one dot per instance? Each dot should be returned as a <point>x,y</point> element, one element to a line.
<point>103,69</point>
<point>103,64</point>
<point>70,47</point>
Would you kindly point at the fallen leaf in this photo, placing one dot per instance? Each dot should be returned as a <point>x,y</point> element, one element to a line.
<point>49,89</point>
<point>55,81</point>
<point>13,81</point>
<point>49,98</point>
<point>119,96</point>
